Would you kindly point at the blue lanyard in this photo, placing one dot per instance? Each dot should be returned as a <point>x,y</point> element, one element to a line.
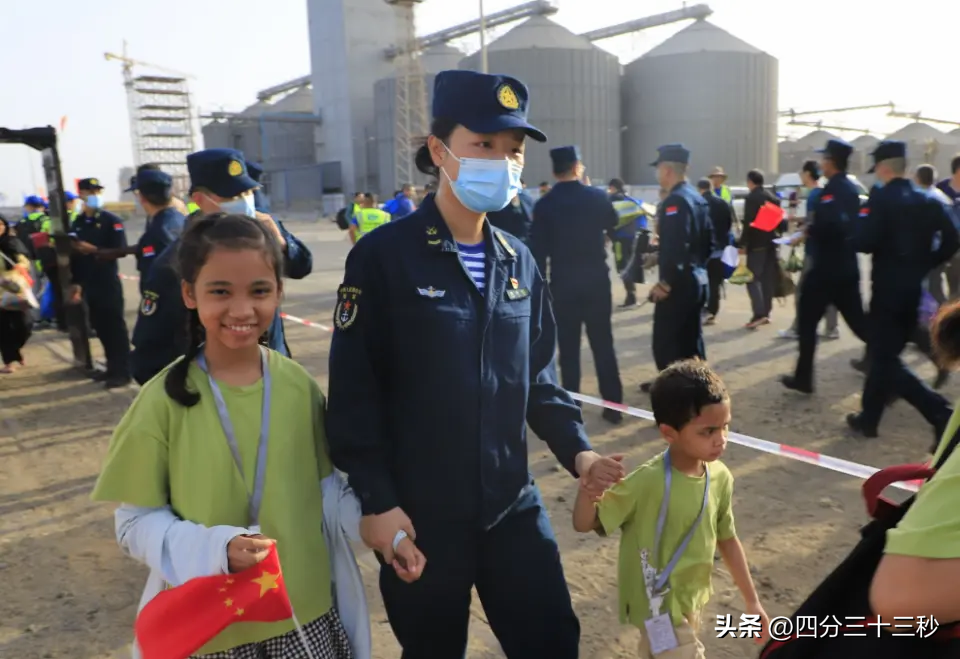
<point>664,576</point>
<point>256,497</point>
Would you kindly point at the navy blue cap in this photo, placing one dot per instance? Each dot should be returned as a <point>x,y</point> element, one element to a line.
<point>89,185</point>
<point>483,103</point>
<point>672,153</point>
<point>565,156</point>
<point>34,200</point>
<point>221,171</point>
<point>133,184</point>
<point>840,149</point>
<point>151,181</point>
<point>260,202</point>
<point>255,170</point>
<point>887,149</point>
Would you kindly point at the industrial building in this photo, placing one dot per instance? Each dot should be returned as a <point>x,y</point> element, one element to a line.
<point>370,104</point>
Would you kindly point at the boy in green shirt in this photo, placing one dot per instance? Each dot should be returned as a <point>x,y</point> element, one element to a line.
<point>674,512</point>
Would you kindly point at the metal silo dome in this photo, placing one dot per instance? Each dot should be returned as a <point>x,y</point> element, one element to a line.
<point>574,94</point>
<point>709,90</point>
<point>441,57</point>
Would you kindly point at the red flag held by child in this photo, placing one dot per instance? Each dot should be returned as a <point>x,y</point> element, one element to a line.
<point>178,622</point>
<point>768,217</point>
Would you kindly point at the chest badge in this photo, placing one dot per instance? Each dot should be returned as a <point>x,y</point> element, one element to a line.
<point>514,283</point>
<point>431,292</point>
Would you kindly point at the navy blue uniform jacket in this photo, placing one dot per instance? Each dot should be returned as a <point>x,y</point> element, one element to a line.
<point>516,218</point>
<point>686,240</point>
<point>569,224</point>
<point>161,231</point>
<point>831,234</point>
<point>431,385</point>
<point>105,230</point>
<point>898,225</point>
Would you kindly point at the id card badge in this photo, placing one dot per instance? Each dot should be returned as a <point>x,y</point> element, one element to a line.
<point>660,634</point>
<point>254,530</point>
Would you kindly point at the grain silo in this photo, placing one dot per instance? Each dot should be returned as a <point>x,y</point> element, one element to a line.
<point>380,165</point>
<point>709,90</point>
<point>863,146</point>
<point>926,144</point>
<point>575,94</point>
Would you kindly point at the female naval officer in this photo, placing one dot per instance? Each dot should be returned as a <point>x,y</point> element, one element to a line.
<point>443,351</point>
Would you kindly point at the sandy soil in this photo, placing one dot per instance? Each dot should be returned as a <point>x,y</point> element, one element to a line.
<point>69,592</point>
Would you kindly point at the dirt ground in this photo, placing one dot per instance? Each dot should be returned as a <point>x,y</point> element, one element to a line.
<point>69,592</point>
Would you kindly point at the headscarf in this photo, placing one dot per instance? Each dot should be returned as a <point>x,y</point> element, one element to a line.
<point>10,245</point>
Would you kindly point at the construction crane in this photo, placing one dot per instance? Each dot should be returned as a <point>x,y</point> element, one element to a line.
<point>918,116</point>
<point>819,125</point>
<point>793,113</point>
<point>411,93</point>
<point>161,117</point>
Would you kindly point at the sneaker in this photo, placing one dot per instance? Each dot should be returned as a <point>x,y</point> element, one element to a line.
<point>790,334</point>
<point>710,320</point>
<point>832,335</point>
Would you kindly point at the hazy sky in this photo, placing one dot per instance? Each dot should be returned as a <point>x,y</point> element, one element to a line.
<point>832,53</point>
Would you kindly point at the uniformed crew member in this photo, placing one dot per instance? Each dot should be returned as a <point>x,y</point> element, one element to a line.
<point>570,227</point>
<point>443,350</point>
<point>297,258</point>
<point>98,277</point>
<point>153,189</point>
<point>897,226</point>
<point>686,243</point>
<point>833,276</point>
<point>516,218</point>
<point>367,217</point>
<point>631,223</point>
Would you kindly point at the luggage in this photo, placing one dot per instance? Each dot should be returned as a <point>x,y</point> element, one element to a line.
<point>825,625</point>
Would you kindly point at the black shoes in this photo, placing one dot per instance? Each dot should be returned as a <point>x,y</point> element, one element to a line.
<point>791,382</point>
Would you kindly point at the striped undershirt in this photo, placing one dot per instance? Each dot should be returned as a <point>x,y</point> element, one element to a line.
<point>475,259</point>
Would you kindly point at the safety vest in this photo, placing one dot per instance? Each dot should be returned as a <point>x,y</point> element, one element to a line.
<point>628,211</point>
<point>369,219</point>
<point>725,194</point>
<point>192,208</point>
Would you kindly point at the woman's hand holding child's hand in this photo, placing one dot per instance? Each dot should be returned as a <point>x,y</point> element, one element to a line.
<point>408,561</point>
<point>245,551</point>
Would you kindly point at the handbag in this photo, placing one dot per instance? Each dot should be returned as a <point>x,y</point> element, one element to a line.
<point>16,288</point>
<point>844,594</point>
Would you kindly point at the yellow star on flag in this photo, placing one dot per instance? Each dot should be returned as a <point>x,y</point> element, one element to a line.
<point>267,582</point>
<point>239,612</point>
<point>228,602</point>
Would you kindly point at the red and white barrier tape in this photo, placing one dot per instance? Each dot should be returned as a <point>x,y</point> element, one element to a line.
<point>792,452</point>
<point>785,450</point>
<point>285,316</point>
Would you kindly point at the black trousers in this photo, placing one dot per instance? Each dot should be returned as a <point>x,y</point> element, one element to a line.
<point>15,331</point>
<point>516,569</point>
<point>104,300</point>
<point>591,307</point>
<point>819,291</point>
<point>893,323</point>
<point>677,329</point>
<point>715,271</point>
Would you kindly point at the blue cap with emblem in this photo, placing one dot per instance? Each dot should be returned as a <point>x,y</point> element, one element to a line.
<point>839,149</point>
<point>672,153</point>
<point>483,103</point>
<point>221,171</point>
<point>564,157</point>
<point>151,181</point>
<point>34,200</point>
<point>89,185</point>
<point>885,150</point>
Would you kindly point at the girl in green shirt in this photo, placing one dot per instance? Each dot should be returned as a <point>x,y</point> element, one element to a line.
<point>222,454</point>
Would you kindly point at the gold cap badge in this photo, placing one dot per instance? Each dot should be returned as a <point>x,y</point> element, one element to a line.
<point>235,168</point>
<point>508,98</point>
<point>94,181</point>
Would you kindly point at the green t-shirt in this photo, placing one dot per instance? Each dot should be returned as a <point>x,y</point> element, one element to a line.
<point>931,528</point>
<point>633,506</point>
<point>163,453</point>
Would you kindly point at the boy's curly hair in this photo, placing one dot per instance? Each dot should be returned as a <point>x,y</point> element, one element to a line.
<point>682,390</point>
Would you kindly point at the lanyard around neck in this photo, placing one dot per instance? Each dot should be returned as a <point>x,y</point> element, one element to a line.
<point>664,576</point>
<point>256,496</point>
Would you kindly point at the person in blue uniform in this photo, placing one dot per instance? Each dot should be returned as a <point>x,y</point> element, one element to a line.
<point>897,226</point>
<point>686,243</point>
<point>516,218</point>
<point>153,189</point>
<point>442,352</point>
<point>297,258</point>
<point>99,234</point>
<point>570,227</point>
<point>833,276</point>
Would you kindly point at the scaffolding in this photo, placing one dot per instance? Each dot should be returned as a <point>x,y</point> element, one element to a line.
<point>411,94</point>
<point>161,119</point>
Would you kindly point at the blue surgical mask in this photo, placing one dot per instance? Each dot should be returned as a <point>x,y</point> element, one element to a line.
<point>94,201</point>
<point>240,206</point>
<point>485,186</point>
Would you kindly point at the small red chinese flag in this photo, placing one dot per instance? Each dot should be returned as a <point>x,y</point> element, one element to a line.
<point>768,217</point>
<point>178,622</point>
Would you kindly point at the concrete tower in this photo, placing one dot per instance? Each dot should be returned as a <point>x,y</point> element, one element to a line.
<point>347,43</point>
